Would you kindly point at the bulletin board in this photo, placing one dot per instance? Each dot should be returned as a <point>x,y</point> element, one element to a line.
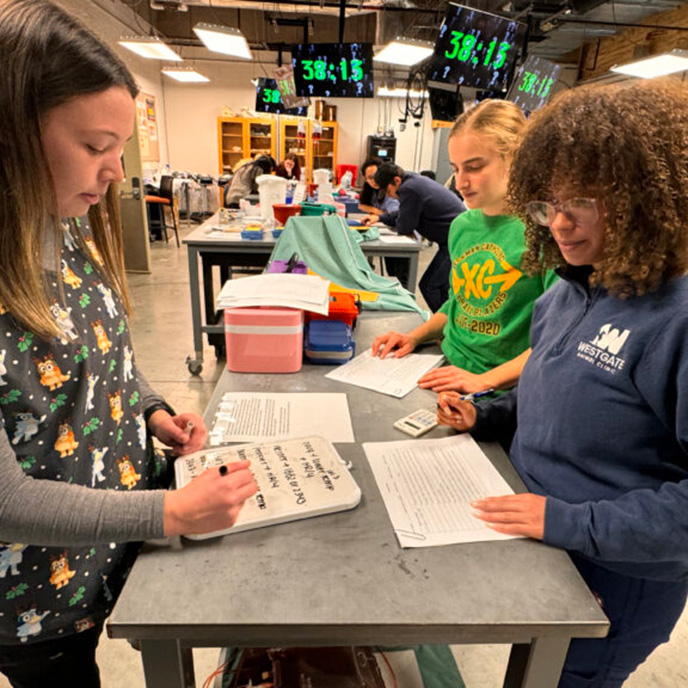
<point>147,121</point>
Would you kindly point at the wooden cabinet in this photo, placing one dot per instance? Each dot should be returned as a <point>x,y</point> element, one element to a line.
<point>315,150</point>
<point>242,137</point>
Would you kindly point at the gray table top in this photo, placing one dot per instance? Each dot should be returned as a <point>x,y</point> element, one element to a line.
<point>342,578</point>
<point>201,238</point>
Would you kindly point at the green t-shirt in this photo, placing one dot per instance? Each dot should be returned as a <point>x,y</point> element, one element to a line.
<point>491,299</point>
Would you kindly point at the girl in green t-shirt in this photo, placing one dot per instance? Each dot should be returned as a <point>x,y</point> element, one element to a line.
<point>485,322</point>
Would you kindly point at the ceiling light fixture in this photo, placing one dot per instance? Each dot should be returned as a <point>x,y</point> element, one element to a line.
<point>658,65</point>
<point>186,76</point>
<point>405,51</point>
<point>223,39</point>
<point>150,47</point>
<point>385,92</point>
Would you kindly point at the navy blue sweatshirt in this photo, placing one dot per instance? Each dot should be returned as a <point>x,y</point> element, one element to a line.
<point>425,207</point>
<point>602,425</point>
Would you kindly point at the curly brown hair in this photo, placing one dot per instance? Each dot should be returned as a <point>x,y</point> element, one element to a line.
<point>627,146</point>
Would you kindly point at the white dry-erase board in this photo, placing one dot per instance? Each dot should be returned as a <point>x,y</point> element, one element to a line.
<point>297,478</point>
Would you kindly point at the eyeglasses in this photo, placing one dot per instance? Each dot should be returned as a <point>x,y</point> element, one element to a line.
<point>580,211</point>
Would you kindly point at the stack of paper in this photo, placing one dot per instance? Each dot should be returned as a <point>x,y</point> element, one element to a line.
<point>307,292</point>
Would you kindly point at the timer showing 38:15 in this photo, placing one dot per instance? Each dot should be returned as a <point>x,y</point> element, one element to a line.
<point>532,83</point>
<point>466,47</point>
<point>320,70</point>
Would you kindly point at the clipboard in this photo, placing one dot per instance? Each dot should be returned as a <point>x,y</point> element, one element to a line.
<point>297,478</point>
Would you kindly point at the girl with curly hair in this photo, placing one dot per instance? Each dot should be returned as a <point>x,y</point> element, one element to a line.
<point>485,321</point>
<point>601,440</point>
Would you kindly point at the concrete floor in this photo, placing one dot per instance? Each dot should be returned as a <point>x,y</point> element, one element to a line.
<point>162,336</point>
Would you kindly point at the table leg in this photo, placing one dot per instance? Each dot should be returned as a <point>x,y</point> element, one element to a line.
<point>195,364</point>
<point>166,664</point>
<point>536,665</point>
<point>412,273</point>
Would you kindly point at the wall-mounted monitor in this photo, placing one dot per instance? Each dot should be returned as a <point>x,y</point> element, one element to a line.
<point>476,49</point>
<point>268,99</point>
<point>445,106</point>
<point>330,70</point>
<point>532,85</point>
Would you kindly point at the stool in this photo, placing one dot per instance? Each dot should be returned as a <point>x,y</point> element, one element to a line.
<point>166,199</point>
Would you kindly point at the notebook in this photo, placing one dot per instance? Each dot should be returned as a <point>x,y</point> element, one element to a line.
<point>297,478</point>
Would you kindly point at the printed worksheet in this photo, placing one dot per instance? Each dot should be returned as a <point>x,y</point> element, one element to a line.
<point>255,416</point>
<point>393,376</point>
<point>427,487</point>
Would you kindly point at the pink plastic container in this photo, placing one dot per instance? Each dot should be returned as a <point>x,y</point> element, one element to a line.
<point>264,340</point>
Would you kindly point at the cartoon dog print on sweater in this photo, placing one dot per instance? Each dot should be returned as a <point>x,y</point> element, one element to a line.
<point>26,426</point>
<point>50,374</point>
<point>128,373</point>
<point>94,250</point>
<point>69,277</point>
<point>3,369</point>
<point>29,623</point>
<point>81,625</point>
<point>91,381</point>
<point>65,442</point>
<point>11,555</point>
<point>60,573</point>
<point>65,323</point>
<point>127,473</point>
<point>107,299</point>
<point>68,238</point>
<point>116,405</point>
<point>98,464</point>
<point>140,428</point>
<point>104,344</point>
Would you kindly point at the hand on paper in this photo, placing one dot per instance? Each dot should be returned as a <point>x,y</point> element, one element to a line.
<point>521,514</point>
<point>210,502</point>
<point>398,342</point>
<point>184,433</point>
<point>453,378</point>
<point>454,412</point>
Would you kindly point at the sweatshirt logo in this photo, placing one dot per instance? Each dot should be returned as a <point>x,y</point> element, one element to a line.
<point>611,339</point>
<point>603,350</point>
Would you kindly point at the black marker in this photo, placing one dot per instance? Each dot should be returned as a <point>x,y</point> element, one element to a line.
<point>223,470</point>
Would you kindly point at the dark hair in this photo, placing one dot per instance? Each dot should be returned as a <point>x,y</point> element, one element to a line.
<point>281,171</point>
<point>266,163</point>
<point>430,174</point>
<point>628,147</point>
<point>47,58</point>
<point>385,174</point>
<point>369,162</point>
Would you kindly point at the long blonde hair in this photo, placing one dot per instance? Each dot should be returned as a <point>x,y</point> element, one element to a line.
<point>501,121</point>
<point>48,58</point>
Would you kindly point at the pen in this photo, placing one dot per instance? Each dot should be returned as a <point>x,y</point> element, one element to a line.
<point>476,395</point>
<point>189,426</point>
<point>292,262</point>
<point>223,470</point>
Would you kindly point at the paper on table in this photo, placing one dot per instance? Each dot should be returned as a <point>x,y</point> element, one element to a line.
<point>308,292</point>
<point>396,239</point>
<point>393,376</point>
<point>427,487</point>
<point>251,416</point>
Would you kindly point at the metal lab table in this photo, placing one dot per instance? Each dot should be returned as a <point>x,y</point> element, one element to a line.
<point>342,579</point>
<point>230,251</point>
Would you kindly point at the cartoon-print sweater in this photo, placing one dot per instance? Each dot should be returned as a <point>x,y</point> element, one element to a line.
<point>77,470</point>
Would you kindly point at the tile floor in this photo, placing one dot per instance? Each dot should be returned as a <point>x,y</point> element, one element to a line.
<point>162,337</point>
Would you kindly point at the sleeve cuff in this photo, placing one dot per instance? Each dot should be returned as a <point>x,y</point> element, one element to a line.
<point>158,406</point>
<point>565,524</point>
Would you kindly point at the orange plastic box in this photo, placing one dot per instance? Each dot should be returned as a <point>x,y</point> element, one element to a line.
<point>264,340</point>
<point>343,306</point>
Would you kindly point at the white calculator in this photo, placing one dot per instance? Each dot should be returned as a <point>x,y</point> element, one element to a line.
<point>417,423</point>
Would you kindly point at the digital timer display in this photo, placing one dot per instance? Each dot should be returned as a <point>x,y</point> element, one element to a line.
<point>476,49</point>
<point>532,86</point>
<point>333,70</point>
<point>269,99</point>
